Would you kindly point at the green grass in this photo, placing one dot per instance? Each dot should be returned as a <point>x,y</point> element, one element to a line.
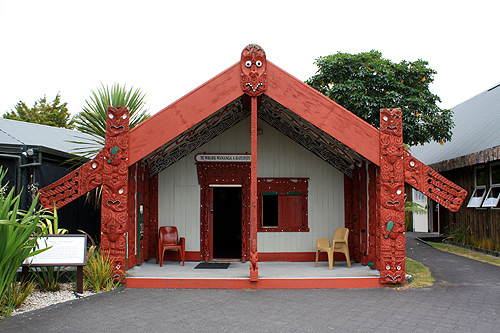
<point>466,253</point>
<point>421,276</point>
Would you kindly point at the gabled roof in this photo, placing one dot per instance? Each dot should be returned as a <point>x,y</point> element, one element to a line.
<point>20,133</point>
<point>476,132</point>
<point>297,110</point>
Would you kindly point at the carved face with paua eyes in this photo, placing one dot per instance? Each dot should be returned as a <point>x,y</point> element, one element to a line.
<point>253,70</point>
<point>393,269</point>
<point>117,121</point>
<point>390,122</point>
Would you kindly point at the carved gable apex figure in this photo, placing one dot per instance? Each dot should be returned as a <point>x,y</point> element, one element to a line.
<point>253,70</point>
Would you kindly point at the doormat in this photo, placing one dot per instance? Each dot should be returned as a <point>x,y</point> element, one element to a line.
<point>213,265</point>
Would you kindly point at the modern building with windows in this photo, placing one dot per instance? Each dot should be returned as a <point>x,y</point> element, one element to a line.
<point>471,160</point>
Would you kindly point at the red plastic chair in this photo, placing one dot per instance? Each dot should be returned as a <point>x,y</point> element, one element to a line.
<point>169,240</point>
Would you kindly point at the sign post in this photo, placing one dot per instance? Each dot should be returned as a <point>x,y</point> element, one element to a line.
<point>64,250</point>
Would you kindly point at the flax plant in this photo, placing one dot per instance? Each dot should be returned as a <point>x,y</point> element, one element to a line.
<point>16,294</point>
<point>17,235</point>
<point>99,273</point>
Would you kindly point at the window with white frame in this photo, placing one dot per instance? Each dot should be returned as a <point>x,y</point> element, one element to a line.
<point>493,196</point>
<point>477,196</point>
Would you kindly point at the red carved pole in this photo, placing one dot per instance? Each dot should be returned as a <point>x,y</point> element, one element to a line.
<point>363,214</point>
<point>153,215</point>
<point>254,266</point>
<point>392,191</point>
<point>115,186</point>
<point>372,213</point>
<point>356,255</point>
<point>348,212</point>
<point>253,82</point>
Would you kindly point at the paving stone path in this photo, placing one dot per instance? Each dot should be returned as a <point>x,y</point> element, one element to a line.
<point>465,298</point>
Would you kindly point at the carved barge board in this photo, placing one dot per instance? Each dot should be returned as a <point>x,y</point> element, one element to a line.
<point>432,184</point>
<point>75,184</point>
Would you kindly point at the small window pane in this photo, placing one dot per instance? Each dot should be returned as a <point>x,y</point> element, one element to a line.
<point>480,176</point>
<point>270,211</point>
<point>495,174</point>
<point>492,197</point>
<point>477,197</point>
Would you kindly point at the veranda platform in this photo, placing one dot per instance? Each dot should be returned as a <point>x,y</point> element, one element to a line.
<point>272,275</point>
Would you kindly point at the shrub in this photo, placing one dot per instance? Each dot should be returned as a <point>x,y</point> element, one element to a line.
<point>17,235</point>
<point>99,273</point>
<point>16,294</point>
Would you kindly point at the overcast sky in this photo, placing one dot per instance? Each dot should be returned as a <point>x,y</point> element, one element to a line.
<point>168,48</point>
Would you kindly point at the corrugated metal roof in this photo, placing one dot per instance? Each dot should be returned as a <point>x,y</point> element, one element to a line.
<point>13,132</point>
<point>477,128</point>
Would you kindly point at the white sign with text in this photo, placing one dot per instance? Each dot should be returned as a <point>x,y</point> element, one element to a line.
<point>223,158</point>
<point>68,250</point>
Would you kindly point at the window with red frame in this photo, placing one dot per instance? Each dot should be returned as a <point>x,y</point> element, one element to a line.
<point>282,204</point>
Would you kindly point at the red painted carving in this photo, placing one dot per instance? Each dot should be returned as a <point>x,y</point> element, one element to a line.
<point>73,185</point>
<point>432,184</point>
<point>132,258</point>
<point>356,255</point>
<point>115,186</point>
<point>253,70</point>
<point>223,173</point>
<point>147,197</point>
<point>348,211</point>
<point>109,169</point>
<point>254,257</point>
<point>363,214</point>
<point>372,212</point>
<point>153,216</point>
<point>391,208</point>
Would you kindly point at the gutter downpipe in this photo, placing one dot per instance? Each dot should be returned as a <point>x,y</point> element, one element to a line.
<point>24,199</point>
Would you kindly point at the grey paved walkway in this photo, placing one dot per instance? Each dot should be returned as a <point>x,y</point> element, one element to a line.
<point>466,298</point>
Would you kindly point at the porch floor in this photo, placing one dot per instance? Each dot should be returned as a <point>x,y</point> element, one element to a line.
<point>272,275</point>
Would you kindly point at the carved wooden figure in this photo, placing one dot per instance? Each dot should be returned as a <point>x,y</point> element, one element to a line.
<point>115,186</point>
<point>109,169</point>
<point>254,83</point>
<point>253,70</point>
<point>392,207</point>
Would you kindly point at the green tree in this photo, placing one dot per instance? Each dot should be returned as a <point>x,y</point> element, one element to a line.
<point>365,82</point>
<point>54,114</point>
<point>92,119</point>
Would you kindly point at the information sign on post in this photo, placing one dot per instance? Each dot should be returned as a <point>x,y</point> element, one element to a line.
<point>63,250</point>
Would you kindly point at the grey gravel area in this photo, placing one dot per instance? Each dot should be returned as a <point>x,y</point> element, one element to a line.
<point>41,299</point>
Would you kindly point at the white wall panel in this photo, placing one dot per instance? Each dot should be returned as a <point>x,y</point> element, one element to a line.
<point>278,156</point>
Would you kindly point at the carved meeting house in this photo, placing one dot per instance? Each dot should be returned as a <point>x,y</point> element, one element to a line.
<point>255,165</point>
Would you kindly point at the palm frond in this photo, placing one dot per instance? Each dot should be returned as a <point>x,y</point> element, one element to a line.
<point>92,119</point>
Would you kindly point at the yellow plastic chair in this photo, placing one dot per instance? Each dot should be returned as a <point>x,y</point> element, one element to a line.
<point>339,244</point>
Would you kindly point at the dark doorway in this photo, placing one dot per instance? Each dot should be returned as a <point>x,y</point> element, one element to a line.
<point>226,222</point>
